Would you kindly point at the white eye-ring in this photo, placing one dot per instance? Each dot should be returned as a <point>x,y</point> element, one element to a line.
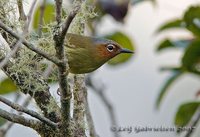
<point>110,47</point>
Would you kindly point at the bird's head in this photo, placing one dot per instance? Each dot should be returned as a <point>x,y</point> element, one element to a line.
<point>107,49</point>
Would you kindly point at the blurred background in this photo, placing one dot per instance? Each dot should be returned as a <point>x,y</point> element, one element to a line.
<point>134,86</point>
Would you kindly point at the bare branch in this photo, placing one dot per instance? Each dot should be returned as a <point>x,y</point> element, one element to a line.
<point>58,11</point>
<point>19,119</point>
<point>29,45</point>
<point>29,112</point>
<point>101,94</point>
<point>22,15</point>
<point>90,121</point>
<point>42,9</point>
<point>69,20</point>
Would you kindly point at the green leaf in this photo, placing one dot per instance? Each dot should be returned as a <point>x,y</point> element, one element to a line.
<point>49,15</point>
<point>175,75</point>
<point>191,58</point>
<point>125,41</point>
<point>7,86</point>
<point>165,44</point>
<point>192,19</point>
<point>2,121</point>
<point>178,23</point>
<point>185,113</point>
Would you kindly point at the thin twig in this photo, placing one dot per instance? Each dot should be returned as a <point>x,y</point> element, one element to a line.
<point>22,15</point>
<point>29,112</point>
<point>90,121</point>
<point>19,119</point>
<point>48,70</point>
<point>100,92</point>
<point>29,45</point>
<point>42,9</point>
<point>193,123</point>
<point>69,20</point>
<point>58,10</point>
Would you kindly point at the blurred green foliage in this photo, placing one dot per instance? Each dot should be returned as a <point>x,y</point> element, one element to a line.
<point>190,61</point>
<point>185,113</point>
<point>7,86</point>
<point>2,121</point>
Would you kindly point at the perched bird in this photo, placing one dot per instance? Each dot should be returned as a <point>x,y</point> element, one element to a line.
<point>86,54</point>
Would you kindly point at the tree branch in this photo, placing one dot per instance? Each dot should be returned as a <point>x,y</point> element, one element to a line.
<point>29,45</point>
<point>80,97</point>
<point>22,15</point>
<point>42,9</point>
<point>19,119</point>
<point>69,20</point>
<point>90,121</point>
<point>58,11</point>
<point>29,112</point>
<point>41,95</point>
<point>65,93</point>
<point>9,124</point>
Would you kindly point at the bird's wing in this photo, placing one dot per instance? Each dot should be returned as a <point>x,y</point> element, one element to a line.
<point>78,41</point>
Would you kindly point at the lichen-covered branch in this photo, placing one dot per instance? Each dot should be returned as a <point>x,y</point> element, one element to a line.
<point>80,97</point>
<point>37,88</point>
<point>65,93</point>
<point>29,45</point>
<point>24,33</point>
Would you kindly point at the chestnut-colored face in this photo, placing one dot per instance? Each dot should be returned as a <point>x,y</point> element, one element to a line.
<point>107,49</point>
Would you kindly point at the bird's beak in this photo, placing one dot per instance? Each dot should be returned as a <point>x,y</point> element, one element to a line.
<point>123,50</point>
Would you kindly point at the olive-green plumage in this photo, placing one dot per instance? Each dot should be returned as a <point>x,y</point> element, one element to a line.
<point>86,54</point>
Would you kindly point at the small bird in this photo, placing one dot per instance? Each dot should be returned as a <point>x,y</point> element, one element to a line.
<point>86,54</point>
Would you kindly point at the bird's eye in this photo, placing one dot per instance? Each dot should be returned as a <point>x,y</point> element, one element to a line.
<point>110,47</point>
